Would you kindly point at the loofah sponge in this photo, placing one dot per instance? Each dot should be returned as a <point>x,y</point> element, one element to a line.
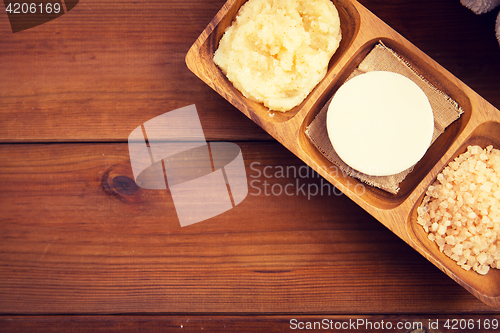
<point>497,27</point>
<point>484,6</point>
<point>480,6</point>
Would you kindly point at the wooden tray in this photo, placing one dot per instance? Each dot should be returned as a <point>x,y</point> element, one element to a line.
<point>361,31</point>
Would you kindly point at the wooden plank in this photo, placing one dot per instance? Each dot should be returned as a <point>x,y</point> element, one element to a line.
<point>251,324</point>
<point>104,68</point>
<point>78,237</point>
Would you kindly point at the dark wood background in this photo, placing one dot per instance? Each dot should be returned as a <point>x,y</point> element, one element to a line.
<point>83,249</point>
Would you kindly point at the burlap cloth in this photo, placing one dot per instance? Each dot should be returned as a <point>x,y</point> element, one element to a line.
<point>382,58</point>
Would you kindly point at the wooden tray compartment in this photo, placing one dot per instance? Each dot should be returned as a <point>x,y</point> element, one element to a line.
<point>373,195</point>
<point>361,31</point>
<point>209,42</point>
<point>486,134</point>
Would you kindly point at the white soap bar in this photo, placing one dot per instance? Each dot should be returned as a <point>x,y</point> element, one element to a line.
<point>380,123</point>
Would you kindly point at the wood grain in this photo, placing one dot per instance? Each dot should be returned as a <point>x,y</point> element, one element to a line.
<point>452,35</point>
<point>105,67</point>
<point>361,31</point>
<point>244,324</point>
<point>77,236</point>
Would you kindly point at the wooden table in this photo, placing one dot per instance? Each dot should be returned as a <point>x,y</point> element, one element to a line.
<point>82,248</point>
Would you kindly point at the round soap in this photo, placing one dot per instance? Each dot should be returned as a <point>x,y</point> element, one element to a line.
<point>380,123</point>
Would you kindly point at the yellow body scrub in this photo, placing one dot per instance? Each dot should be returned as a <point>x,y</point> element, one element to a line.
<point>277,51</point>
